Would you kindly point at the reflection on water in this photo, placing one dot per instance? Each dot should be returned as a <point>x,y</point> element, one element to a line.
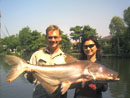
<point>119,89</point>
<point>20,88</point>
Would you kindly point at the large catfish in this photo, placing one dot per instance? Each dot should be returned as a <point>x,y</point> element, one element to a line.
<point>51,77</point>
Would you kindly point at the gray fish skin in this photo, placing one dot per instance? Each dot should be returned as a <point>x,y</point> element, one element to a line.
<point>65,74</point>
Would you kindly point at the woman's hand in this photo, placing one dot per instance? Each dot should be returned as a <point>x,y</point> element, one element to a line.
<point>93,86</point>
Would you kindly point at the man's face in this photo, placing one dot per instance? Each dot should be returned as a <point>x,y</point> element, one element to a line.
<point>53,38</point>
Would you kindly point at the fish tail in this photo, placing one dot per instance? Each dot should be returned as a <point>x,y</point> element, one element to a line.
<point>18,67</point>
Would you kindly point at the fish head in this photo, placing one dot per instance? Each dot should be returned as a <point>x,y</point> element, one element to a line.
<point>100,72</point>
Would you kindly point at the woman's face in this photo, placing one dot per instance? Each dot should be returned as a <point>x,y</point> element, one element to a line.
<point>89,48</point>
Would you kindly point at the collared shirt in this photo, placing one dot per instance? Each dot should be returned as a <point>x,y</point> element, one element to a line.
<point>47,58</point>
<point>44,57</point>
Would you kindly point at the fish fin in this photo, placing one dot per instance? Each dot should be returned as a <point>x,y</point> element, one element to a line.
<point>13,60</point>
<point>65,86</point>
<point>70,59</point>
<point>18,67</point>
<point>46,78</point>
<point>49,88</point>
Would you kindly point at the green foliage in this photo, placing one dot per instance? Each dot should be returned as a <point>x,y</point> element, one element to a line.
<point>25,38</point>
<point>11,42</point>
<point>87,30</point>
<point>65,43</point>
<point>31,40</point>
<point>127,33</point>
<point>1,46</point>
<point>120,42</point>
<point>107,48</point>
<point>116,26</point>
<point>28,41</point>
<point>127,16</point>
<point>78,31</point>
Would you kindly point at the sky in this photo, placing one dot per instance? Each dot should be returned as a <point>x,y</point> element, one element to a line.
<point>39,14</point>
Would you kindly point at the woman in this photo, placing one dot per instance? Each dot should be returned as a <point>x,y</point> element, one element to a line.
<point>90,50</point>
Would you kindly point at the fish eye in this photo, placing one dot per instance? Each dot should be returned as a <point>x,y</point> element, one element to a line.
<point>101,69</point>
<point>110,74</point>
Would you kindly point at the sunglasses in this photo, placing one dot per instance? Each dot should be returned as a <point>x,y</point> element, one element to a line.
<point>50,37</point>
<point>90,46</point>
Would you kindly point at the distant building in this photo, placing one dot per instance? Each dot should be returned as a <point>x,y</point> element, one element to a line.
<point>75,43</point>
<point>106,39</point>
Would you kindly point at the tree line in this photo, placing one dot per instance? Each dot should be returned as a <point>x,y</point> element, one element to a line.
<point>120,32</point>
<point>28,41</point>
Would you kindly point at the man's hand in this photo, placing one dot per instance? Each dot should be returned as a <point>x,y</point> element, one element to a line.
<point>27,69</point>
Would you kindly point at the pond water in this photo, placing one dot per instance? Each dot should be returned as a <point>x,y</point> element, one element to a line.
<point>21,88</point>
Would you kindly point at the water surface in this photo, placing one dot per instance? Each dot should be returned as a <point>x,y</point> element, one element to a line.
<point>21,88</point>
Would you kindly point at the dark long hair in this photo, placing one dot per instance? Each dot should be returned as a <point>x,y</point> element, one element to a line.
<point>85,38</point>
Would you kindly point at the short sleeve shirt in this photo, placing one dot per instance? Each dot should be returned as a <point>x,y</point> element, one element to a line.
<point>47,58</point>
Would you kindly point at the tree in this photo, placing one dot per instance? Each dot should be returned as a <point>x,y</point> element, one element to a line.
<point>31,40</point>
<point>25,38</point>
<point>76,32</point>
<point>43,41</point>
<point>37,40</point>
<point>127,16</point>
<point>127,33</point>
<point>117,28</point>
<point>12,42</point>
<point>65,43</point>
<point>87,30</point>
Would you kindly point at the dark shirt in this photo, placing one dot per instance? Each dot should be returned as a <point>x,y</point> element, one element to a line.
<point>88,92</point>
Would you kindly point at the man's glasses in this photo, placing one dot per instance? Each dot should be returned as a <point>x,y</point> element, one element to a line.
<point>90,46</point>
<point>50,37</point>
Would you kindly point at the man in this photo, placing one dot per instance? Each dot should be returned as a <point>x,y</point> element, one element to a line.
<point>51,55</point>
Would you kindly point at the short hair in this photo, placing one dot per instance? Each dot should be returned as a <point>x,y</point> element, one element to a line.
<point>52,28</point>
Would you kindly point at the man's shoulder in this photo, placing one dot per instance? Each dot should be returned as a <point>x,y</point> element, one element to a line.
<point>40,51</point>
<point>43,48</point>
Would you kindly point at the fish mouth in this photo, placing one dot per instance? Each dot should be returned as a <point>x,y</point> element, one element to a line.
<point>116,78</point>
<point>108,78</point>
